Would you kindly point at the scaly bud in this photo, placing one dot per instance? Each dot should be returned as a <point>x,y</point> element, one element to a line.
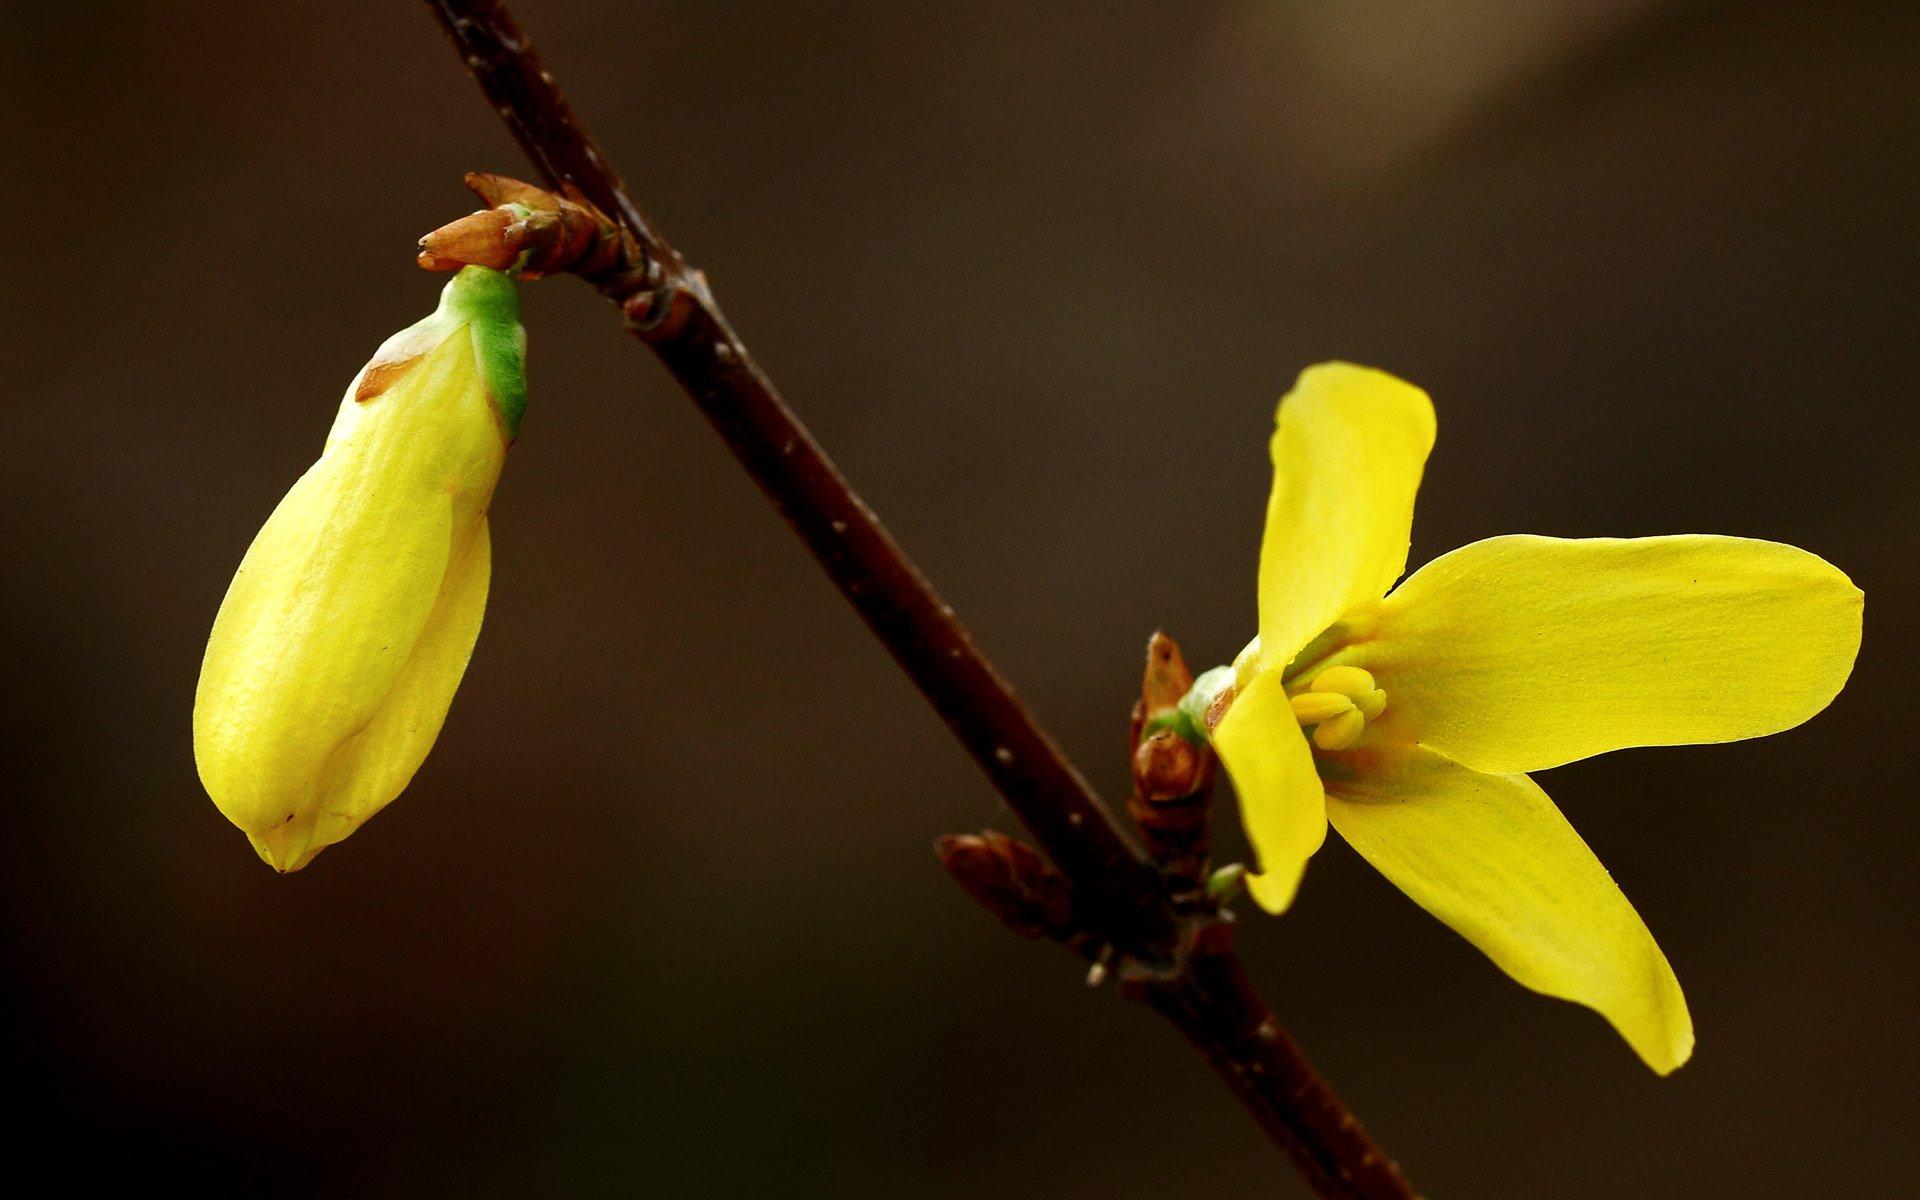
<point>350,621</point>
<point>534,232</point>
<point>1009,879</point>
<point>1172,765</point>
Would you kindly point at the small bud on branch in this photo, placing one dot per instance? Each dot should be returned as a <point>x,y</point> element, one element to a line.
<point>1010,880</point>
<point>1172,767</point>
<point>533,232</point>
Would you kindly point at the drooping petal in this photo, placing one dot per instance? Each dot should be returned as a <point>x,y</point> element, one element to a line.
<point>321,618</point>
<point>1281,803</point>
<point>1522,653</point>
<point>367,771</point>
<point>1493,858</point>
<point>1348,449</point>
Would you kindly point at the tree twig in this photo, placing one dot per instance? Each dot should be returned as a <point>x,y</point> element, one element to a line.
<point>1178,959</point>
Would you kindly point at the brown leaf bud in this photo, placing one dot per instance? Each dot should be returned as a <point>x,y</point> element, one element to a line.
<point>1010,880</point>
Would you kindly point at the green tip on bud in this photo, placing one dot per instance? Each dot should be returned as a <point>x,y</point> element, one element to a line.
<point>488,304</point>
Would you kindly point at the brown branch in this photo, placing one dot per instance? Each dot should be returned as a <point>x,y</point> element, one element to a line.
<point>1175,958</point>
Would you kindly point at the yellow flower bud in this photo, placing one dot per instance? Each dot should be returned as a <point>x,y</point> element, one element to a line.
<point>351,619</point>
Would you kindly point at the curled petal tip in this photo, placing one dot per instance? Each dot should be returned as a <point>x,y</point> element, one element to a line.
<point>286,848</point>
<point>1274,890</point>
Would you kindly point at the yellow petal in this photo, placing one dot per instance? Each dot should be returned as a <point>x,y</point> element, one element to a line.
<point>331,603</point>
<point>1348,449</point>
<point>1281,803</point>
<point>1521,653</point>
<point>1491,856</point>
<point>368,770</point>
<point>312,634</point>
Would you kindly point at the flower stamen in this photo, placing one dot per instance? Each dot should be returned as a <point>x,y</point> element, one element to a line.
<point>1337,705</point>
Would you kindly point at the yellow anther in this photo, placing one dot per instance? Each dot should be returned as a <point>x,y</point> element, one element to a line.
<point>1311,708</point>
<point>1341,731</point>
<point>1338,705</point>
<point>1351,682</point>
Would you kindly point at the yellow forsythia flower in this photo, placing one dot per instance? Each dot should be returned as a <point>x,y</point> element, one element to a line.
<point>351,619</point>
<point>1409,721</point>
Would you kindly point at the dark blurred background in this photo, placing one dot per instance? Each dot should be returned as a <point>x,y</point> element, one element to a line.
<point>660,915</point>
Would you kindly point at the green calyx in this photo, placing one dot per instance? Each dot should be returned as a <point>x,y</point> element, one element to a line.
<point>488,304</point>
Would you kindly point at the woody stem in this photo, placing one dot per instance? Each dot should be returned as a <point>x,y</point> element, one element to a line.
<point>1118,895</point>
